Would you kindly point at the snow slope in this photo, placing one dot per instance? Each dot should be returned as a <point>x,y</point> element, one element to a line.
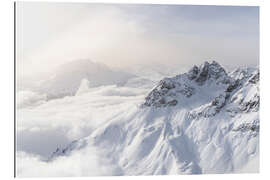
<point>202,121</point>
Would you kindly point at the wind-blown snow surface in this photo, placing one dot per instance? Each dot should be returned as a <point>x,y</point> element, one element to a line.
<point>203,121</point>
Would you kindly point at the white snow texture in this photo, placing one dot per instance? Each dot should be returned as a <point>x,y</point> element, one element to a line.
<point>200,122</point>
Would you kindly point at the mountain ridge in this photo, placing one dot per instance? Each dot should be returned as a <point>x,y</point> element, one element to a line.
<point>202,121</point>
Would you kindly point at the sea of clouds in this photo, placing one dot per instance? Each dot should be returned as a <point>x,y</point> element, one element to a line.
<point>43,126</point>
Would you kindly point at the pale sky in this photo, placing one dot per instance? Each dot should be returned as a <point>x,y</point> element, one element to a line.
<point>122,35</point>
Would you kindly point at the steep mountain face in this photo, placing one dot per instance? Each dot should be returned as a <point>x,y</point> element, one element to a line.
<point>68,77</point>
<point>202,121</point>
<point>170,91</point>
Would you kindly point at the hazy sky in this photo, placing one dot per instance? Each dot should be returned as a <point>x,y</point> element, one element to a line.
<point>121,35</point>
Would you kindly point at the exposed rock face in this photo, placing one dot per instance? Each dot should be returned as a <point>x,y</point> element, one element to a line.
<point>169,90</point>
<point>211,71</point>
<point>248,127</point>
<point>255,78</point>
<point>210,109</point>
<point>219,101</point>
<point>233,85</point>
<point>193,72</point>
<point>246,95</point>
<point>68,149</point>
<point>166,93</point>
<point>251,105</point>
<point>236,93</point>
<point>203,74</point>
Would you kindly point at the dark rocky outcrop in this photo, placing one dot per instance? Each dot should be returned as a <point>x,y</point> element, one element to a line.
<point>168,91</point>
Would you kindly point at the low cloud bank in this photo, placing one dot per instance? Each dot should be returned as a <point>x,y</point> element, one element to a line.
<point>42,126</point>
<point>88,162</point>
<point>29,98</point>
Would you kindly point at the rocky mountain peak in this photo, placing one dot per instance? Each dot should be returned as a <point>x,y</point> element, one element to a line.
<point>209,80</point>
<point>168,91</point>
<point>207,71</point>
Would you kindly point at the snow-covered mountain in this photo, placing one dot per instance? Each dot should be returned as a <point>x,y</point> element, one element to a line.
<point>202,121</point>
<point>67,78</point>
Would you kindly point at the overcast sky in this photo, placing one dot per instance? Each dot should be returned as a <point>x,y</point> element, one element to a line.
<point>121,35</point>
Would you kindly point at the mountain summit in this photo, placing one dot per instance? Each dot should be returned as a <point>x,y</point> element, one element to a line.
<point>208,81</point>
<point>198,80</point>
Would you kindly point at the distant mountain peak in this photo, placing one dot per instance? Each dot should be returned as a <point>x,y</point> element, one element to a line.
<point>66,80</point>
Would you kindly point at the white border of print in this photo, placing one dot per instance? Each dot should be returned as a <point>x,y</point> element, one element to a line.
<point>7,88</point>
